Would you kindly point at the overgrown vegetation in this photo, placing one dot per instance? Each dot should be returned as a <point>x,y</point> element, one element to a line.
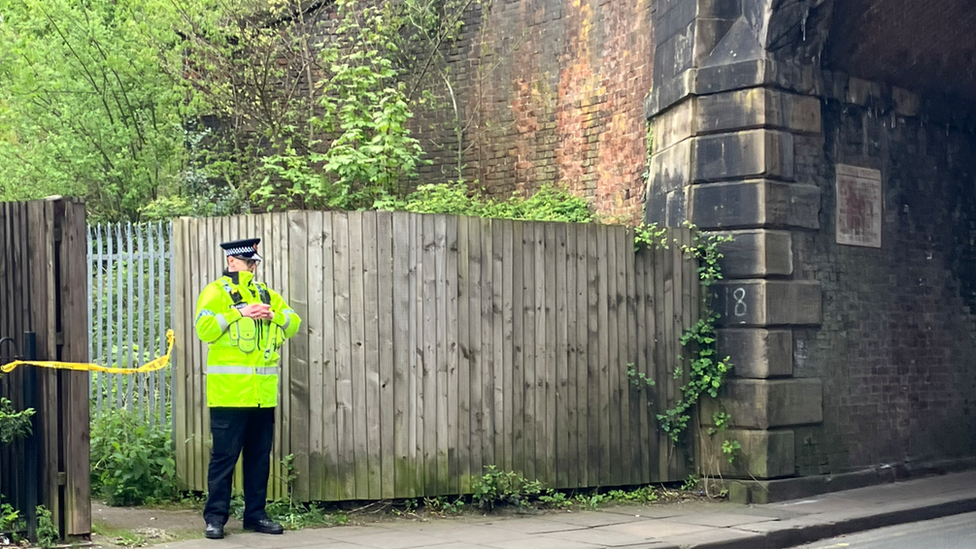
<point>549,203</point>
<point>13,423</point>
<point>47,532</point>
<point>706,369</point>
<point>132,462</point>
<point>497,488</point>
<point>150,109</point>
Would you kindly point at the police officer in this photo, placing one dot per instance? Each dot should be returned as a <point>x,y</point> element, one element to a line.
<point>244,323</point>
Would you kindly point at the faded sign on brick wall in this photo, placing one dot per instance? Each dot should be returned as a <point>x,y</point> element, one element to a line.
<point>858,206</point>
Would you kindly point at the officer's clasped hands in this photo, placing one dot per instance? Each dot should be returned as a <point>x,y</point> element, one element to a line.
<point>259,311</point>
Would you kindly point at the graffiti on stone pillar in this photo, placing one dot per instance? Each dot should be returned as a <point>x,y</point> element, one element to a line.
<point>858,206</point>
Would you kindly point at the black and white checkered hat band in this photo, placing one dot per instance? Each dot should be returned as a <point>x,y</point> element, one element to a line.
<point>240,251</point>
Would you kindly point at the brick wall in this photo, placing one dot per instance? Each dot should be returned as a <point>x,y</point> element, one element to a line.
<point>897,348</point>
<point>546,91</point>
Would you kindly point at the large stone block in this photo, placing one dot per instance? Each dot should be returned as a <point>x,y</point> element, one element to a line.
<point>762,454</point>
<point>758,353</point>
<point>667,209</point>
<point>756,254</point>
<point>768,403</point>
<point>741,155</point>
<point>671,168</point>
<point>756,203</point>
<point>674,125</point>
<point>758,108</point>
<point>766,303</point>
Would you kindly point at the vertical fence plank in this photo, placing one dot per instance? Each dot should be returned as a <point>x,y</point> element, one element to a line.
<point>603,292</point>
<point>182,329</point>
<point>314,329</point>
<point>550,384</point>
<point>624,357</point>
<point>76,421</point>
<point>441,350</point>
<point>463,386</point>
<point>429,293</point>
<point>683,312</point>
<point>332,421</point>
<point>529,348</point>
<point>371,345</point>
<point>664,396</point>
<point>613,361</point>
<point>539,379</point>
<point>518,348</point>
<point>277,241</point>
<point>300,393</point>
<point>404,475</point>
<point>345,425</point>
<point>640,365</point>
<point>451,344</point>
<point>568,263</point>
<point>503,229</point>
<point>596,430</point>
<point>560,414</point>
<point>583,351</point>
<point>633,409</point>
<point>486,355</point>
<point>498,346</point>
<point>417,352</point>
<point>386,311</point>
<point>475,257</point>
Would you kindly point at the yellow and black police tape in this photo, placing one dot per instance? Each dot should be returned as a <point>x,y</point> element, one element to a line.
<point>151,366</point>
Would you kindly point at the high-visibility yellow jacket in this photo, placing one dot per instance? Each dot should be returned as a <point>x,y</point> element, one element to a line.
<point>242,361</point>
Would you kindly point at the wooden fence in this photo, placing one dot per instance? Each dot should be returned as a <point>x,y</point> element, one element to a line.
<point>433,346</point>
<point>43,285</point>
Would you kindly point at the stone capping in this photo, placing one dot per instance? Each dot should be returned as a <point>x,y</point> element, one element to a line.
<point>737,76</point>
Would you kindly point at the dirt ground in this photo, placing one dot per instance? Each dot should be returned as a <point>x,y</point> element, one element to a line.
<point>131,526</point>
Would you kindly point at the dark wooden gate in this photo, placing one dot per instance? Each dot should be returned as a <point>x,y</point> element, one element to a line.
<point>44,316</point>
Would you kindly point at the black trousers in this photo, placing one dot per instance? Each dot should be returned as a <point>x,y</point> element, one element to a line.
<point>234,430</point>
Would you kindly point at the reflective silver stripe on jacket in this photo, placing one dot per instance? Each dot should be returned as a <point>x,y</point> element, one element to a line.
<point>244,370</point>
<point>203,313</point>
<point>287,313</point>
<point>222,322</point>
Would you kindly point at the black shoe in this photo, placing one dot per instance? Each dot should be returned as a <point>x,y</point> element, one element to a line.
<point>214,531</point>
<point>265,526</point>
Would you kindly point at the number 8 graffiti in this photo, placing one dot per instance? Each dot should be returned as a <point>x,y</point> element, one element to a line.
<point>740,306</point>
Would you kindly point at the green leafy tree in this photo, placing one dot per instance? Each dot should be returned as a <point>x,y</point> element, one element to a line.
<point>84,108</point>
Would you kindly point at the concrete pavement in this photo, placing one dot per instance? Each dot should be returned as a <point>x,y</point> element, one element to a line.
<point>667,526</point>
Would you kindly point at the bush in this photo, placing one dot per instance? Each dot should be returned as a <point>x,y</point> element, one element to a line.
<point>497,487</point>
<point>549,203</point>
<point>132,462</point>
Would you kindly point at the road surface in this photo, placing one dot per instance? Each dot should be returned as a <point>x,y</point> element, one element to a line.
<point>955,532</point>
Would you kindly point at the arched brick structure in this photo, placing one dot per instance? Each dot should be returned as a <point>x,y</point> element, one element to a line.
<point>834,140</point>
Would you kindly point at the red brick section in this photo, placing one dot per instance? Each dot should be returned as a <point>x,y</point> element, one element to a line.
<point>550,91</point>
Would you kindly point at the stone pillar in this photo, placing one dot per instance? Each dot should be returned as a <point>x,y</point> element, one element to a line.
<point>725,115</point>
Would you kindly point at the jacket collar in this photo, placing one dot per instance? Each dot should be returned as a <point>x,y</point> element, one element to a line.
<point>240,278</point>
